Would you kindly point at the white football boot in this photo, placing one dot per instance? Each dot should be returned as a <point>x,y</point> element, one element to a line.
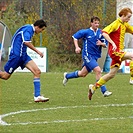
<point>107,93</point>
<point>91,91</point>
<point>131,81</point>
<point>65,80</point>
<point>41,99</point>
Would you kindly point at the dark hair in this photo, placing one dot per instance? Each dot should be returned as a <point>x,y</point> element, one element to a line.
<point>94,18</point>
<point>40,23</point>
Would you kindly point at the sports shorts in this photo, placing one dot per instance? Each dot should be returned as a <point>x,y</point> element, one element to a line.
<point>90,62</point>
<point>116,58</point>
<point>16,61</point>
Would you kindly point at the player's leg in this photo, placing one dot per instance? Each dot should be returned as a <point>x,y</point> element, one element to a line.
<point>102,81</point>
<point>9,67</point>
<point>4,75</point>
<point>131,72</point>
<point>37,84</point>
<point>76,74</point>
<point>129,56</point>
<point>97,71</point>
<point>106,77</point>
<point>117,58</point>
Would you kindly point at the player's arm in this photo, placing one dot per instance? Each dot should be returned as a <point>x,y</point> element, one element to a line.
<point>109,29</point>
<point>31,46</point>
<point>78,35</point>
<point>100,43</point>
<point>77,48</point>
<point>107,37</point>
<point>26,36</point>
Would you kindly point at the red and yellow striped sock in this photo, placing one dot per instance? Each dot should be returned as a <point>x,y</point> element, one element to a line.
<point>100,82</point>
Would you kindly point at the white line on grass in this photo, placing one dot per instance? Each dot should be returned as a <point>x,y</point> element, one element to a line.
<point>62,121</point>
<point>67,121</point>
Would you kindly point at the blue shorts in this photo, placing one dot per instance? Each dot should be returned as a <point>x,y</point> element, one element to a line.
<point>15,61</point>
<point>89,62</point>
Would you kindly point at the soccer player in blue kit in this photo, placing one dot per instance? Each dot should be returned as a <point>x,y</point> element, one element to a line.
<point>18,56</point>
<point>93,42</point>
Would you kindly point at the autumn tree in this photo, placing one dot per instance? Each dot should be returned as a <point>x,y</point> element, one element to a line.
<point>63,18</point>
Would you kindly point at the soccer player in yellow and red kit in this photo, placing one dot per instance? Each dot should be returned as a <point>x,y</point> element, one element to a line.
<point>114,34</point>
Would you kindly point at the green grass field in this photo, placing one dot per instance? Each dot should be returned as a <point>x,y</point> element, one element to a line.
<point>69,110</point>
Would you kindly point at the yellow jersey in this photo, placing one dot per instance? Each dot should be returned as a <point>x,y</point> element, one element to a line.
<point>116,30</point>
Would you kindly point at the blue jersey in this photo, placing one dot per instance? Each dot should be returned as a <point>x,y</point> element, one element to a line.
<point>89,42</point>
<point>23,34</point>
<point>18,54</point>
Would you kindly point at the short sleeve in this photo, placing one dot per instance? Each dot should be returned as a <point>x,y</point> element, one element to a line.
<point>111,28</point>
<point>26,36</point>
<point>79,34</point>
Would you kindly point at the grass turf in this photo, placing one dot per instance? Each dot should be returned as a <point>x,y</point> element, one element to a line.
<point>69,110</point>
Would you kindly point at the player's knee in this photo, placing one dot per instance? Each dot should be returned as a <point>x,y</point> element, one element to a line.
<point>37,72</point>
<point>5,77</point>
<point>82,74</point>
<point>98,73</point>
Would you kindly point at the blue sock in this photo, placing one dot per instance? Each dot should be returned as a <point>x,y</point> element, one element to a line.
<point>72,75</point>
<point>103,88</point>
<point>37,87</point>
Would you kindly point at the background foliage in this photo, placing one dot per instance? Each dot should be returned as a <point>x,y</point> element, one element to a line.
<point>63,18</point>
